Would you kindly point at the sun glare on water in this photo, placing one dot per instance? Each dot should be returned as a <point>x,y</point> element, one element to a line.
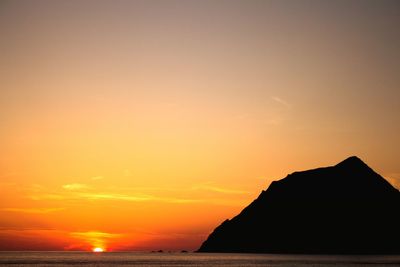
<point>98,250</point>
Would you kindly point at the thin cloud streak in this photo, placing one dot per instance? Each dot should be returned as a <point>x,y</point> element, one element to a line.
<point>75,186</point>
<point>105,196</point>
<point>281,101</point>
<point>77,192</point>
<point>113,197</point>
<point>204,187</point>
<point>32,210</point>
<point>137,198</point>
<point>219,189</point>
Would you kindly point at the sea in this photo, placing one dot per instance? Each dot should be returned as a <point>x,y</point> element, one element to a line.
<point>189,259</point>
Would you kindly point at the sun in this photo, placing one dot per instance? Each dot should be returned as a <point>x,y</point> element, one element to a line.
<point>98,250</point>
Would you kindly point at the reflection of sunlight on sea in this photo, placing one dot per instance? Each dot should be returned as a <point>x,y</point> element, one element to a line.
<point>188,259</point>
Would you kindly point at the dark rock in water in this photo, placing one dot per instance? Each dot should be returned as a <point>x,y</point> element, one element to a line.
<point>343,209</point>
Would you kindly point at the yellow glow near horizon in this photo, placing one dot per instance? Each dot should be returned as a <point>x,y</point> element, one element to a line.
<point>98,250</point>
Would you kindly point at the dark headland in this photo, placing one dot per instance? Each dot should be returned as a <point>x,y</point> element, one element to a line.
<point>344,209</point>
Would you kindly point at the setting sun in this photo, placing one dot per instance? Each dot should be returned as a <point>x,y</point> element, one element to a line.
<point>98,250</point>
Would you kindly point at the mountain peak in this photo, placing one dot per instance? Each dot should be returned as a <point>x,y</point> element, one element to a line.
<point>352,160</point>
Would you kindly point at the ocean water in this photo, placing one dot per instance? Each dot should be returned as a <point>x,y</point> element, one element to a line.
<point>188,259</point>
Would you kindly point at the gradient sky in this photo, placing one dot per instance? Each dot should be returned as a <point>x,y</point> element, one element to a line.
<point>140,125</point>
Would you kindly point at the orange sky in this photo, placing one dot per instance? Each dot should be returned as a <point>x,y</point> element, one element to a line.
<point>141,125</point>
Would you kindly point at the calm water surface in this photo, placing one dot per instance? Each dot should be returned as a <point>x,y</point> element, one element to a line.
<point>187,259</point>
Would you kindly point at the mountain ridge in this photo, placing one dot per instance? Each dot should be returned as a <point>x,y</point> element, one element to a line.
<point>347,208</point>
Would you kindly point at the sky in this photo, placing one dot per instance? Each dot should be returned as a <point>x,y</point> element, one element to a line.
<point>142,125</point>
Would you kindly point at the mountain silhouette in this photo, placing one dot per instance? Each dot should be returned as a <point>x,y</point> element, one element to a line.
<point>344,209</point>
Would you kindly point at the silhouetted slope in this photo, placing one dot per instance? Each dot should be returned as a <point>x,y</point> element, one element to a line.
<point>343,209</point>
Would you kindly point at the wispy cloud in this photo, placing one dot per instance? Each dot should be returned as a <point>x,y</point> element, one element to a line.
<point>32,210</point>
<point>217,189</point>
<point>111,197</point>
<point>52,196</point>
<point>179,200</point>
<point>77,192</point>
<point>95,178</point>
<point>135,198</point>
<point>75,186</point>
<point>108,196</point>
<point>281,101</point>
<point>207,186</point>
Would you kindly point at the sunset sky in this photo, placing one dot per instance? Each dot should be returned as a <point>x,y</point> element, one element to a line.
<point>142,125</point>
